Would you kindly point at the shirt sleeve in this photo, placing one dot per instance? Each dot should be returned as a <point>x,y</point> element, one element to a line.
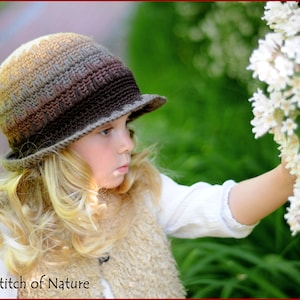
<point>198,210</point>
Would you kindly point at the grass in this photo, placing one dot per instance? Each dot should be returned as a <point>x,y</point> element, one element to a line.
<point>204,134</point>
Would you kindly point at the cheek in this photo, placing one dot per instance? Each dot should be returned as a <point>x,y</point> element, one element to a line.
<point>99,162</point>
<point>89,151</point>
<point>100,159</point>
<point>96,162</point>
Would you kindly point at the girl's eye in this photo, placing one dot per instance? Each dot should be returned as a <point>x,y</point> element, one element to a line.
<point>105,132</point>
<point>130,131</point>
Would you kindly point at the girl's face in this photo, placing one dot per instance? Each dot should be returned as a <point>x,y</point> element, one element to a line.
<point>107,150</point>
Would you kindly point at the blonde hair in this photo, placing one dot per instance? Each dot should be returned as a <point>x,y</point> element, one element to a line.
<point>54,211</point>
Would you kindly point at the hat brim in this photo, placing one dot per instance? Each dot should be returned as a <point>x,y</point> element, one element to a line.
<point>144,104</point>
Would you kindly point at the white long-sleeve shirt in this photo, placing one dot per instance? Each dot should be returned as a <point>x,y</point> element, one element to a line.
<point>186,212</point>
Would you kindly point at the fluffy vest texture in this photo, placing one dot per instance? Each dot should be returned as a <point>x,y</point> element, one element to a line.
<point>140,266</point>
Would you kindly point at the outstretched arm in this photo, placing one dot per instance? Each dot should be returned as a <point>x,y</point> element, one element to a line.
<point>255,198</point>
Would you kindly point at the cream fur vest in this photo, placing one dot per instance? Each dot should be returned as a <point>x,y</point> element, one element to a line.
<point>140,266</point>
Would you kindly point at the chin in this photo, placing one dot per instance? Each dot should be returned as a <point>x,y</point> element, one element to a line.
<point>112,185</point>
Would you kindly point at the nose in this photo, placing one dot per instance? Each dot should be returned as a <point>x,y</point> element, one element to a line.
<point>126,142</point>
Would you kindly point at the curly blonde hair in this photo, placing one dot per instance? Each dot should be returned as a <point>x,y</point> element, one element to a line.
<point>56,211</point>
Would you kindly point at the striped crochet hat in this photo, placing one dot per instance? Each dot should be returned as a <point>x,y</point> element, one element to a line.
<point>59,87</point>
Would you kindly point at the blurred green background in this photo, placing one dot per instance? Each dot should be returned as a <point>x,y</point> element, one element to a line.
<point>196,54</point>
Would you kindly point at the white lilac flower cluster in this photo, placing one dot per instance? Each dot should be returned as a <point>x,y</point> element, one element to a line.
<point>211,27</point>
<point>276,62</point>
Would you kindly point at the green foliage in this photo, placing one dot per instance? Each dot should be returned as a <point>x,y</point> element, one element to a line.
<point>222,271</point>
<point>264,265</point>
<point>196,54</point>
<point>201,128</point>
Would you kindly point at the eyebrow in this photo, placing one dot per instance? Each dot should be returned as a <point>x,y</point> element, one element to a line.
<point>110,123</point>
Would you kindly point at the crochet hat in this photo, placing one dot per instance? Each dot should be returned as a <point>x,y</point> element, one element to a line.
<point>59,87</point>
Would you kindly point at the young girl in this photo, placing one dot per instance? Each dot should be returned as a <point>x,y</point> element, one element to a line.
<point>82,214</point>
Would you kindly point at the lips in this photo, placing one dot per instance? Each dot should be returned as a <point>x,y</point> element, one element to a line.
<point>123,169</point>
